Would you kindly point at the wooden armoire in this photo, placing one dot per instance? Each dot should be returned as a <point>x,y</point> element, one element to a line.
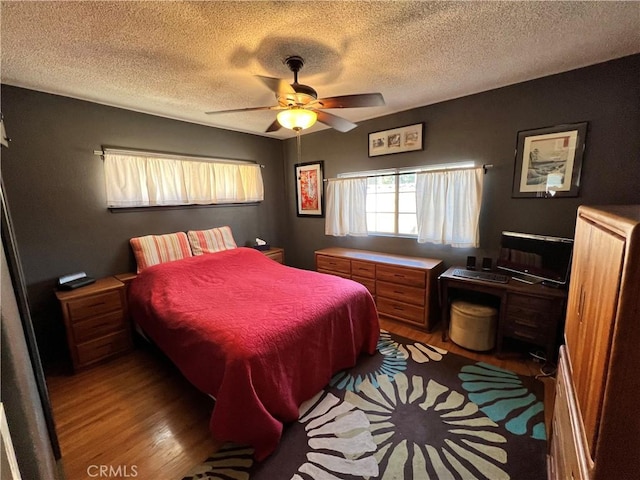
<point>596,419</point>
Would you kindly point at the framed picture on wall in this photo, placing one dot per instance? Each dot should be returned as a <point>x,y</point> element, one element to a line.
<point>397,140</point>
<point>310,189</point>
<point>549,161</point>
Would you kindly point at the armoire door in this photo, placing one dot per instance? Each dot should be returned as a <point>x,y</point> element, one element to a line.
<point>580,269</point>
<point>593,303</point>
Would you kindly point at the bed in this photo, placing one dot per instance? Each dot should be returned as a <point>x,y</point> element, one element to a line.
<point>258,336</point>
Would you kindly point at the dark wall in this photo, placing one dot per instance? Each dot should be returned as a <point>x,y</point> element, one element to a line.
<point>56,192</point>
<point>483,128</point>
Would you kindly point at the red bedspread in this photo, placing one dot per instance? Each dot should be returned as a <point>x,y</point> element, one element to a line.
<point>259,336</point>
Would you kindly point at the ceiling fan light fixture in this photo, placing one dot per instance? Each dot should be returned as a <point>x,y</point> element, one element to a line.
<point>297,118</point>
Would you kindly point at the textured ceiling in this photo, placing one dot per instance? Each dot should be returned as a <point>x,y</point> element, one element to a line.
<point>180,59</point>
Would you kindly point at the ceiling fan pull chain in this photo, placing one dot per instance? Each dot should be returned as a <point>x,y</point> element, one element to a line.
<point>299,146</point>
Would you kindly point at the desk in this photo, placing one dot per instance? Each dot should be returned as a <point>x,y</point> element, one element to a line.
<point>531,313</point>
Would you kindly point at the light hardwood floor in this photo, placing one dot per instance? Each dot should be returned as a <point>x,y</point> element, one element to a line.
<point>137,413</point>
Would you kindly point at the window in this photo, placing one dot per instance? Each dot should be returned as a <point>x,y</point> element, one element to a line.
<point>391,198</point>
<point>141,179</point>
<point>438,205</point>
<point>391,205</point>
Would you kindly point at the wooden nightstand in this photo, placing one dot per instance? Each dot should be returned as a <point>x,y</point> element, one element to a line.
<point>275,253</point>
<point>95,318</point>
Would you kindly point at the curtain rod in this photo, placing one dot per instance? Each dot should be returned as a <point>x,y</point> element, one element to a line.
<point>485,167</point>
<point>146,153</point>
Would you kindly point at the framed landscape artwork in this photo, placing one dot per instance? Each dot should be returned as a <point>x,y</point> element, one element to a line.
<point>397,140</point>
<point>549,161</point>
<point>310,189</point>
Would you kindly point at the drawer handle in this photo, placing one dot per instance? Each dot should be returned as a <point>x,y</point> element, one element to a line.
<point>97,304</point>
<point>525,335</point>
<point>399,293</point>
<point>398,275</point>
<point>398,308</point>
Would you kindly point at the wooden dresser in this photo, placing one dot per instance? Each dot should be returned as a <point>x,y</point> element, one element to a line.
<point>596,423</point>
<point>405,288</point>
<point>96,321</point>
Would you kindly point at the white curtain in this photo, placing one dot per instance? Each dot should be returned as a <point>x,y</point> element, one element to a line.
<point>141,181</point>
<point>346,207</point>
<point>448,207</point>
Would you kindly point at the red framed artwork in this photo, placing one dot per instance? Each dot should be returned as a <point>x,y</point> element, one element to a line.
<point>310,189</point>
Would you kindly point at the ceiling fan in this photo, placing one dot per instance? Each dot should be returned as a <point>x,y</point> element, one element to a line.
<point>300,106</point>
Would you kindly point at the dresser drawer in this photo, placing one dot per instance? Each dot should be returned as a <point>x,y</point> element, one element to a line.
<point>404,276</point>
<point>367,282</point>
<point>400,310</point>
<point>99,326</point>
<point>403,293</point>
<point>103,347</point>
<point>332,272</point>
<point>363,269</point>
<point>94,305</point>
<point>333,264</point>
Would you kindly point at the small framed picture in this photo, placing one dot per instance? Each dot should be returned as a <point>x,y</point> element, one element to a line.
<point>549,161</point>
<point>397,140</point>
<point>310,189</point>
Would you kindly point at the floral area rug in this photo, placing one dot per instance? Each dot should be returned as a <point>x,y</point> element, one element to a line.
<point>411,411</point>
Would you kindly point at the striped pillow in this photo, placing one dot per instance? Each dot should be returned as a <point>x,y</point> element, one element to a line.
<point>154,249</point>
<point>211,241</point>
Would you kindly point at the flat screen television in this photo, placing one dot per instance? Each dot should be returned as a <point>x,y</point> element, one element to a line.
<point>534,258</point>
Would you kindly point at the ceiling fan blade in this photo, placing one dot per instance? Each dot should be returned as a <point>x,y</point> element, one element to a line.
<point>352,101</point>
<point>275,126</point>
<point>249,109</point>
<point>277,85</point>
<point>338,123</point>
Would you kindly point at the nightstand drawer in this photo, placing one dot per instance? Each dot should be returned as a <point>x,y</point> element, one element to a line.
<point>94,305</point>
<point>333,264</point>
<point>404,276</point>
<point>98,326</point>
<point>363,269</point>
<point>103,347</point>
<point>276,254</point>
<point>403,293</point>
